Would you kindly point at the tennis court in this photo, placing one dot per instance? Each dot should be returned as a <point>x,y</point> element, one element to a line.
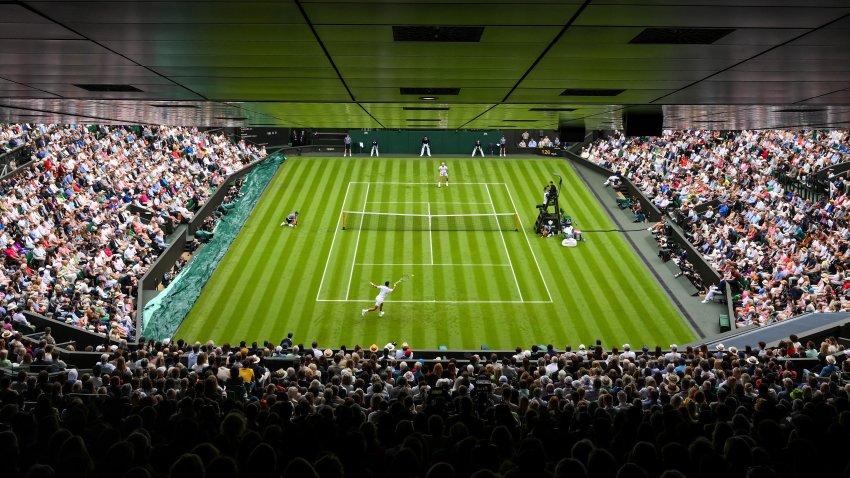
<point>476,279</point>
<point>443,237</point>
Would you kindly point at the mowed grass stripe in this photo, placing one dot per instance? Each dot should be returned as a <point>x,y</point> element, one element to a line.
<point>225,293</point>
<point>606,285</point>
<point>269,268</point>
<point>587,278</point>
<point>588,320</point>
<point>456,325</point>
<point>646,295</point>
<point>285,281</point>
<point>231,300</point>
<point>269,203</point>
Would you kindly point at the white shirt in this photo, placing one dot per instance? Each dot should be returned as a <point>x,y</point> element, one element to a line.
<point>444,170</point>
<point>384,291</point>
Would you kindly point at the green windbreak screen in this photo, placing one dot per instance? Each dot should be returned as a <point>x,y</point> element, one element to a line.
<point>410,142</point>
<point>164,314</point>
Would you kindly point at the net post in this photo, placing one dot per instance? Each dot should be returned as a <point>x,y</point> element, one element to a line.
<point>343,220</point>
<point>516,221</point>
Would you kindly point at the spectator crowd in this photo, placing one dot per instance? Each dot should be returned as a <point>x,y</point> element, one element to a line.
<point>73,237</point>
<point>13,136</point>
<point>205,410</point>
<point>781,254</point>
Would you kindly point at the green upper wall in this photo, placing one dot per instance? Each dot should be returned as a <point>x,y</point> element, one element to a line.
<point>442,141</point>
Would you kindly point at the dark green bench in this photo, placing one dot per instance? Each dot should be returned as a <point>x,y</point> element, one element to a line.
<point>725,324</point>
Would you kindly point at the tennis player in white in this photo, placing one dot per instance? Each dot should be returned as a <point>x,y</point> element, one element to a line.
<point>379,300</point>
<point>444,173</point>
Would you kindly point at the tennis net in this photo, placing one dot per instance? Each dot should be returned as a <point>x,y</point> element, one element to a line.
<point>383,221</point>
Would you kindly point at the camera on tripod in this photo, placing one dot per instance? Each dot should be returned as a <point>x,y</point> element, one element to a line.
<point>483,390</point>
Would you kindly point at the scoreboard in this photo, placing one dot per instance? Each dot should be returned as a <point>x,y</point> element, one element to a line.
<point>268,137</point>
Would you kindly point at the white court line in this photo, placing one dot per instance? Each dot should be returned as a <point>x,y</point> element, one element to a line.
<point>414,183</point>
<point>443,301</point>
<point>430,234</point>
<point>529,243</point>
<point>356,244</point>
<point>330,252</point>
<point>502,235</point>
<point>434,265</point>
<point>423,202</point>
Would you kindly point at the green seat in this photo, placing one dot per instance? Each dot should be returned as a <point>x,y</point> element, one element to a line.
<point>725,324</point>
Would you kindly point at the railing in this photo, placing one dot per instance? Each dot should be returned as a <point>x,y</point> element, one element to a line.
<point>22,156</point>
<point>810,190</point>
<point>150,282</point>
<point>707,273</point>
<point>66,332</point>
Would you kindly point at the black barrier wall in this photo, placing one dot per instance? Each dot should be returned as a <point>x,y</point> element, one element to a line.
<point>66,332</point>
<point>22,155</point>
<point>707,273</point>
<point>150,282</point>
<point>652,213</point>
<point>216,199</point>
<point>153,278</point>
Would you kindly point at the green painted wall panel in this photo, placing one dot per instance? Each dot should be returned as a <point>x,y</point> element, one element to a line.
<point>409,142</point>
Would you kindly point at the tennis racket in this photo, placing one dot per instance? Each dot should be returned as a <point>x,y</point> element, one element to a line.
<point>403,278</point>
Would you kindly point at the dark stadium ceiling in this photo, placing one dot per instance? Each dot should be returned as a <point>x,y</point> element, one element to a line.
<point>732,64</point>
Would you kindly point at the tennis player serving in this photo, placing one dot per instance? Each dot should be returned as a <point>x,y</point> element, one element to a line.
<point>384,291</point>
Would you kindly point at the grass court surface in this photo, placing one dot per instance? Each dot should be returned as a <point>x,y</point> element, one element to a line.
<point>501,287</point>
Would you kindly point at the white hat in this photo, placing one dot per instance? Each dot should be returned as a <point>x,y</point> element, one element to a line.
<point>752,360</point>
<point>719,347</point>
<point>627,347</point>
<point>581,347</point>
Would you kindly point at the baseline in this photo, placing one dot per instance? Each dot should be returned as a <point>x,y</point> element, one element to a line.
<point>435,301</point>
<point>434,265</point>
<point>413,183</point>
<point>422,202</point>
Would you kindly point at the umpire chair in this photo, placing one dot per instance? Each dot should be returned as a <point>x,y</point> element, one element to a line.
<point>549,211</point>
